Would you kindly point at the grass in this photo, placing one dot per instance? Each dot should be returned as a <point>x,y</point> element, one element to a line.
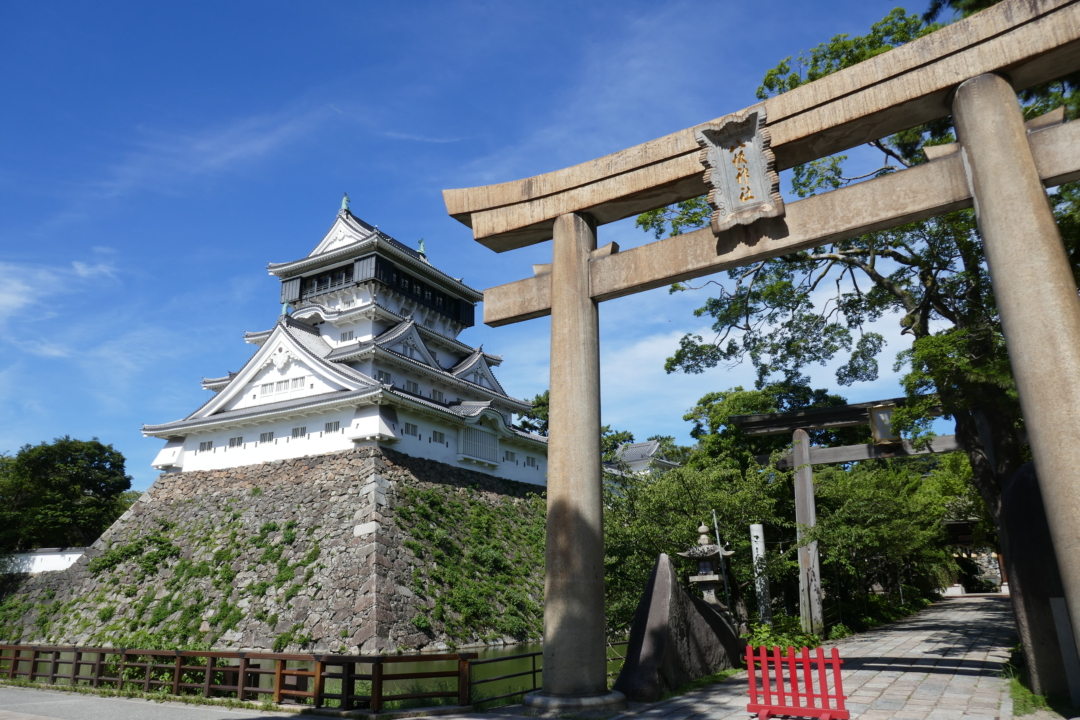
<point>1025,701</point>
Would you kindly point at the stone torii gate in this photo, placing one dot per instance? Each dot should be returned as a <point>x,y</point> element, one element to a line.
<point>971,70</point>
<point>878,415</point>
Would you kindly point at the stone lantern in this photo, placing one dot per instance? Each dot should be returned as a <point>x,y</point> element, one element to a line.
<point>710,564</point>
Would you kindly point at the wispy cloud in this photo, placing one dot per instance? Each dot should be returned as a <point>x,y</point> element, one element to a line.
<point>419,138</point>
<point>27,284</point>
<point>632,86</point>
<point>160,159</point>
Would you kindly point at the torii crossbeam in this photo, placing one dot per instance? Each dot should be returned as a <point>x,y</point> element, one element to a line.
<point>972,70</point>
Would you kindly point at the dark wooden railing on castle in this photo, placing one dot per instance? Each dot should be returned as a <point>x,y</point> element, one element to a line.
<point>237,674</point>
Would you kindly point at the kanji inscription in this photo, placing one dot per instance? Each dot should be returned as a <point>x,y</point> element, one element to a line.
<point>740,170</point>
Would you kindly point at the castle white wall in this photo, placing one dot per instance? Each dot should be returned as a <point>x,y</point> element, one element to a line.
<point>43,560</point>
<point>354,424</point>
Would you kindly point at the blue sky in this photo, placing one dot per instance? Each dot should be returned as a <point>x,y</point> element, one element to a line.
<point>155,156</point>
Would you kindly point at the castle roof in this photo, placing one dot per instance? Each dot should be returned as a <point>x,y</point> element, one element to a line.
<point>351,237</point>
<point>304,339</point>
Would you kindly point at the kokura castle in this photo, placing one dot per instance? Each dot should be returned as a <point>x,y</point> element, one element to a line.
<point>365,352</point>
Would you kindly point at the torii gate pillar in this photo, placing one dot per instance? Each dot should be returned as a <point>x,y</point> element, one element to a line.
<point>575,648</point>
<point>1037,297</point>
<point>810,606</point>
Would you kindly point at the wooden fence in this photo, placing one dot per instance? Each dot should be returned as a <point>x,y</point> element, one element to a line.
<point>534,672</point>
<point>253,675</point>
<point>236,674</point>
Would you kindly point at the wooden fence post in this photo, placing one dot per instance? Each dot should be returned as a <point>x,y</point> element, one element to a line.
<point>74,666</point>
<point>279,680</point>
<point>149,668</point>
<point>208,678</point>
<point>98,667</point>
<point>33,665</point>
<point>464,689</point>
<point>316,692</point>
<point>376,685</point>
<point>347,685</point>
<point>176,674</point>
<point>120,673</point>
<point>241,679</point>
<point>54,658</point>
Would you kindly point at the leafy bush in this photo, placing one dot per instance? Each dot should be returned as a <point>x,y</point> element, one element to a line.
<point>785,632</point>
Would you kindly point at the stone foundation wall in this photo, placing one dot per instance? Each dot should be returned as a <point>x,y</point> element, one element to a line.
<point>363,551</point>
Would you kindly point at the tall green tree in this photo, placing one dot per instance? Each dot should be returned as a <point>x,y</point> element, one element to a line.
<point>536,420</point>
<point>930,275</point>
<point>60,494</point>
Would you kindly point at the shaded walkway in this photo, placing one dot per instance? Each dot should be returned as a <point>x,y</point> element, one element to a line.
<point>944,663</point>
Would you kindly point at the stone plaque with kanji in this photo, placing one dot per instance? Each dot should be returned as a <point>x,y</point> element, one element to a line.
<point>740,173</point>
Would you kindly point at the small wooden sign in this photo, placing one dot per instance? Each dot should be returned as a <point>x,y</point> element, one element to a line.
<point>740,169</point>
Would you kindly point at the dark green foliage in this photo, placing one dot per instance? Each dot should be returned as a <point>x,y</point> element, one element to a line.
<point>536,420</point>
<point>289,536</point>
<point>61,494</point>
<point>149,552</point>
<point>483,561</point>
<point>291,636</point>
<point>880,524</point>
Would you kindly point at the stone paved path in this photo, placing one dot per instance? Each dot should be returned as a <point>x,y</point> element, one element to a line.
<point>943,663</point>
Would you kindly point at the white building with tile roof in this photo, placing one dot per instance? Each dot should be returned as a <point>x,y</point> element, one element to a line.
<point>365,352</point>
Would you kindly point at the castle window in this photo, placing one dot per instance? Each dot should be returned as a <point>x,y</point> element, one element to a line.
<point>509,456</point>
<point>438,437</point>
<point>412,387</point>
<point>530,461</point>
<point>437,395</point>
<point>438,301</point>
<point>332,427</point>
<point>206,446</point>
<point>383,377</point>
<point>267,389</point>
<point>346,336</point>
<point>298,383</point>
<point>480,444</point>
<point>281,386</point>
<point>266,437</point>
<point>236,442</point>
<point>410,429</point>
<point>299,432</point>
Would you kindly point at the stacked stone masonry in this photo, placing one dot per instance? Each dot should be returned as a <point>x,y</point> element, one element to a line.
<point>298,555</point>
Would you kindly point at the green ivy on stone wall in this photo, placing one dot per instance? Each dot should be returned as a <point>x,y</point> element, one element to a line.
<point>482,562</point>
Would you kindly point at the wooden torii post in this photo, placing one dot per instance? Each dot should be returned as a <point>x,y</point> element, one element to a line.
<point>972,70</point>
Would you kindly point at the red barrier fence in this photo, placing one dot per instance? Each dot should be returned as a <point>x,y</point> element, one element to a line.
<point>774,699</point>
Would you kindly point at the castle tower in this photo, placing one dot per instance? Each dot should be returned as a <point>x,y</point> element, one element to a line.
<point>365,352</point>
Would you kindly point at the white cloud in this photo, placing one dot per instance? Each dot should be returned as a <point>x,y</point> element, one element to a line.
<point>629,87</point>
<point>43,348</point>
<point>84,270</point>
<point>419,138</point>
<point>28,284</point>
